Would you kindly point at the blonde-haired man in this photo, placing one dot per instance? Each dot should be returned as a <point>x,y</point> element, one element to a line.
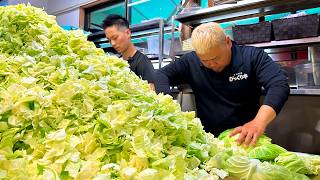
<point>226,80</point>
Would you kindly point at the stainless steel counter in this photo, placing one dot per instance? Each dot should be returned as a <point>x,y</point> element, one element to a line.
<point>315,92</point>
<point>297,126</point>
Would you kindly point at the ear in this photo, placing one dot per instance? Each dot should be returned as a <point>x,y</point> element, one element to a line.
<point>128,32</point>
<point>229,42</point>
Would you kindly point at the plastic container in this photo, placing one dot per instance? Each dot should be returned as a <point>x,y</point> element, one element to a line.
<point>308,75</point>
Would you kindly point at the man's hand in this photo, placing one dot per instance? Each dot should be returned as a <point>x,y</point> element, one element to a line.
<point>251,131</point>
<point>152,86</point>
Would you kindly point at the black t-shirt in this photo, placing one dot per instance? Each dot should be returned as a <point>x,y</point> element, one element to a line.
<point>142,67</point>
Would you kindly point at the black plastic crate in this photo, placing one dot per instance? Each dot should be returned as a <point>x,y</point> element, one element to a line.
<point>252,33</point>
<point>296,27</point>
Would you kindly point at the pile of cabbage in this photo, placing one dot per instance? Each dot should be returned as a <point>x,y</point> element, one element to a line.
<point>69,111</point>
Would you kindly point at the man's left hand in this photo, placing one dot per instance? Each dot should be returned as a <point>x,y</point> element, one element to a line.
<point>249,132</point>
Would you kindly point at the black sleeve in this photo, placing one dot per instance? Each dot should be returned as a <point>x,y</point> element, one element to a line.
<point>172,74</point>
<point>272,78</point>
<point>145,69</point>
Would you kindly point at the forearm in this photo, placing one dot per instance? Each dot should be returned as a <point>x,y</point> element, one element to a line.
<point>171,75</point>
<point>264,116</point>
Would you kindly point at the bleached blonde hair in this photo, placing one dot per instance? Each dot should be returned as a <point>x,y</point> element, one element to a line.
<point>206,36</point>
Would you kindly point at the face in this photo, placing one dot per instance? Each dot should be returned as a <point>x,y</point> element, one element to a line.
<point>118,37</point>
<point>218,58</point>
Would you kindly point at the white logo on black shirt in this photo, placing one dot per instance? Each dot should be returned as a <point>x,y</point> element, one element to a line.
<point>238,76</point>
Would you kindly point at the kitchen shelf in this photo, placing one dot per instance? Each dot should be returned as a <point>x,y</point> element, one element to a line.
<point>156,56</point>
<point>135,35</point>
<point>277,44</point>
<point>248,9</point>
<point>291,42</point>
<point>180,53</point>
<point>149,25</point>
<point>243,9</point>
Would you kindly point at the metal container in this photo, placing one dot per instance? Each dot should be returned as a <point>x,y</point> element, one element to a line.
<point>308,75</point>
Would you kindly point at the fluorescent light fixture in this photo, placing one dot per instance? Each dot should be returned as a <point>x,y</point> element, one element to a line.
<point>138,2</point>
